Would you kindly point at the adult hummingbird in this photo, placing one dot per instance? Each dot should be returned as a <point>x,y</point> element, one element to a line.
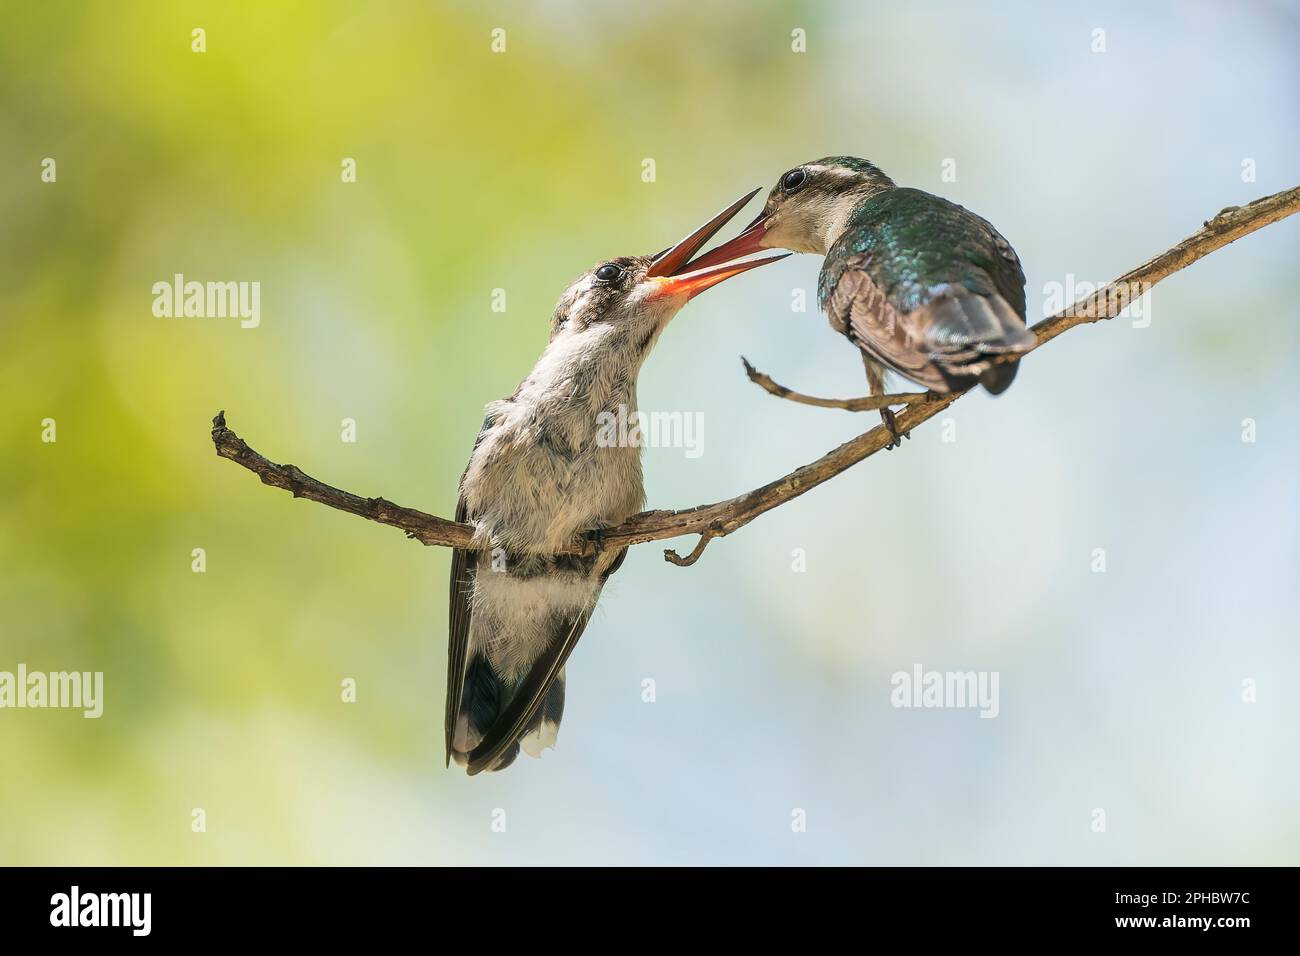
<point>922,286</point>
<point>540,475</point>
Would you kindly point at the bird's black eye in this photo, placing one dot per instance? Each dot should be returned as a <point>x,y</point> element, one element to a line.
<point>793,179</point>
<point>609,272</point>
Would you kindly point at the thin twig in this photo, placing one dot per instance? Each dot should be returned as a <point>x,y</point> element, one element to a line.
<point>868,403</point>
<point>673,557</point>
<point>724,517</point>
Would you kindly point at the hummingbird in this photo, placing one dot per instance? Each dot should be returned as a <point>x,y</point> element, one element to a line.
<point>541,475</point>
<point>921,286</point>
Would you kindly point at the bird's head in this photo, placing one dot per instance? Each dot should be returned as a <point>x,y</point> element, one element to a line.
<point>626,302</point>
<point>806,209</point>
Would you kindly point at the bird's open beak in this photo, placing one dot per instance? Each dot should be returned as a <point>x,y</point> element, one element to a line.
<point>749,241</point>
<point>679,276</point>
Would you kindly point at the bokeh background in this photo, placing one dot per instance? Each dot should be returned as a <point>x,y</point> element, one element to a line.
<point>478,170</point>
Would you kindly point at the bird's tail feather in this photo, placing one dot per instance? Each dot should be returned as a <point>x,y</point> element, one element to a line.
<point>486,696</point>
<point>967,331</point>
<point>500,712</point>
<point>545,727</point>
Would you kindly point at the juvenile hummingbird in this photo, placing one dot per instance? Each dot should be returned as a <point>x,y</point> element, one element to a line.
<point>922,286</point>
<point>539,476</point>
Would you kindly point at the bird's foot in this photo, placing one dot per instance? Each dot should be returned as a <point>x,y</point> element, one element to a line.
<point>597,537</point>
<point>891,423</point>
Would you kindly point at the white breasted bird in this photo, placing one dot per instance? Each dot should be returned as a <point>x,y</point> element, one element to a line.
<point>922,286</point>
<point>537,479</point>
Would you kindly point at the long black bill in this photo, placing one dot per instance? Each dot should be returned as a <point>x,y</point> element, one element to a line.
<point>672,260</point>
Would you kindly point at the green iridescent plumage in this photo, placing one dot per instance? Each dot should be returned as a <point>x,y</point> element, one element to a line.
<point>915,242</point>
<point>928,289</point>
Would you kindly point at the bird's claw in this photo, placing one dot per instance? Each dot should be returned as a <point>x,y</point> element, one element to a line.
<point>887,416</point>
<point>597,537</point>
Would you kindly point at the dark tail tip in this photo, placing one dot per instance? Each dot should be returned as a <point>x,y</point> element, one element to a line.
<point>998,378</point>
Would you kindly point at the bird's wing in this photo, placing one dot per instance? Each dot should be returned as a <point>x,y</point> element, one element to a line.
<point>925,287</point>
<point>460,608</point>
<point>530,693</point>
<point>859,309</point>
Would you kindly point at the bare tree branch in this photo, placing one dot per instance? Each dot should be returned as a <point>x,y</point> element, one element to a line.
<point>724,517</point>
<point>425,528</point>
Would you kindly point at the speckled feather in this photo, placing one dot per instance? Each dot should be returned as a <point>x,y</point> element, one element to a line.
<point>540,474</point>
